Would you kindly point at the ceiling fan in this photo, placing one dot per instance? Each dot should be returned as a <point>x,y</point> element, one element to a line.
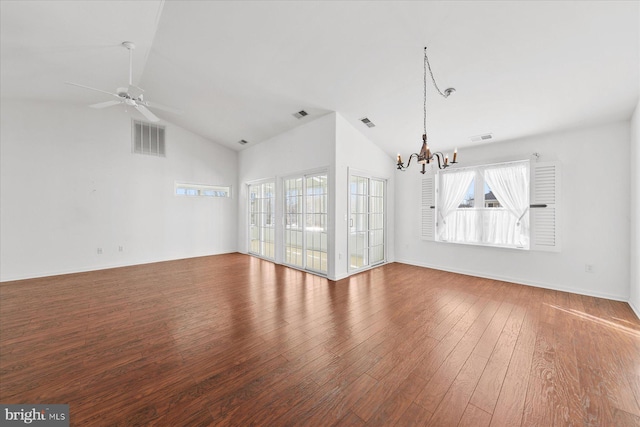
<point>131,96</point>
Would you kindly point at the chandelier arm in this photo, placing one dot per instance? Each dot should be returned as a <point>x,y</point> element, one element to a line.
<point>442,164</point>
<point>401,165</point>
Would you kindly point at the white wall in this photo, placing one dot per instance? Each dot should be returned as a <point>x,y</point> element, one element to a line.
<point>595,217</point>
<point>355,152</point>
<point>634,283</point>
<point>70,185</point>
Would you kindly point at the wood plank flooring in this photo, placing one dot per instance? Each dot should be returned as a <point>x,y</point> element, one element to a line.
<point>235,340</point>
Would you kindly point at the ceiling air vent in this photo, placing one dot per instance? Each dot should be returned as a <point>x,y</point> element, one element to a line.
<point>300,114</point>
<point>482,138</point>
<point>243,142</point>
<point>367,122</point>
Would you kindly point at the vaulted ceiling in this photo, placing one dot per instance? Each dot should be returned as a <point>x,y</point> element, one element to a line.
<point>240,69</point>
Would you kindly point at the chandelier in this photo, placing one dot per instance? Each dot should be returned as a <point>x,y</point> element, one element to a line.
<point>426,156</point>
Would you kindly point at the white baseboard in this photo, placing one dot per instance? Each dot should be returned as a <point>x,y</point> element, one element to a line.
<point>635,309</point>
<point>520,281</point>
<point>101,267</point>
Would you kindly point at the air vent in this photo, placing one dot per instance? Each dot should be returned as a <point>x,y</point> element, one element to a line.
<point>367,122</point>
<point>300,114</point>
<point>482,138</point>
<point>147,138</point>
<point>243,142</point>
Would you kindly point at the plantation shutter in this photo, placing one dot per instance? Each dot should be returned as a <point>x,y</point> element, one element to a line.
<point>545,206</point>
<point>428,208</point>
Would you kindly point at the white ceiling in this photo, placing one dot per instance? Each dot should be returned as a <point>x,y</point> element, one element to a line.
<point>240,69</point>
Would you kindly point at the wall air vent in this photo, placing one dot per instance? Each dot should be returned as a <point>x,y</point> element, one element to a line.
<point>147,138</point>
<point>482,138</point>
<point>243,142</point>
<point>300,114</point>
<point>367,122</point>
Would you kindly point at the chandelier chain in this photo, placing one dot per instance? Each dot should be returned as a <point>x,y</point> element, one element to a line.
<point>433,79</point>
<point>426,60</point>
<point>424,109</point>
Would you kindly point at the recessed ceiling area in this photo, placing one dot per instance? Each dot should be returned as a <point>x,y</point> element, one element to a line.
<point>237,70</point>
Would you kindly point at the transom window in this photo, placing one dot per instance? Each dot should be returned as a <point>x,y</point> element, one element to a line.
<point>202,190</point>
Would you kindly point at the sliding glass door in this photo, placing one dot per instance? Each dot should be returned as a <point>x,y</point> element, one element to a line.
<point>262,219</point>
<point>305,229</point>
<point>366,221</point>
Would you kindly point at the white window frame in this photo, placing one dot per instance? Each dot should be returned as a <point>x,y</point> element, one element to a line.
<point>544,207</point>
<point>184,189</point>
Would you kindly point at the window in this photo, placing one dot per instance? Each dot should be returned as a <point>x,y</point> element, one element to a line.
<point>148,138</point>
<point>201,190</point>
<point>544,208</point>
<point>262,198</point>
<point>485,205</point>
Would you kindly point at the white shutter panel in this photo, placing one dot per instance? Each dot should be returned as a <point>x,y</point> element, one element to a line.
<point>428,208</point>
<point>545,206</point>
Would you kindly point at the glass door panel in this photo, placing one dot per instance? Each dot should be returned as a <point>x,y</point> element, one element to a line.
<point>293,224</point>
<point>305,228</point>
<point>366,221</point>
<point>262,219</point>
<point>376,221</point>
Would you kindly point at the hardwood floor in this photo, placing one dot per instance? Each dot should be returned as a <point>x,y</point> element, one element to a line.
<point>235,340</point>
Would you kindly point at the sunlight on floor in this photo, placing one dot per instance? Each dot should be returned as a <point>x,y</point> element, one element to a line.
<point>634,333</point>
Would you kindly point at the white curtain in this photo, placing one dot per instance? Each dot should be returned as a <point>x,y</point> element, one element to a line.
<point>461,226</point>
<point>510,185</point>
<point>453,187</point>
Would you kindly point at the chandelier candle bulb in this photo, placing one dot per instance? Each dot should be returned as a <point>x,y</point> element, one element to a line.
<point>455,155</point>
<point>446,159</point>
<point>399,159</point>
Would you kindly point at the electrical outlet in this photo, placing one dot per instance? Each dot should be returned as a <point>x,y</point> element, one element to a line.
<point>588,268</point>
<point>99,251</point>
<point>120,248</point>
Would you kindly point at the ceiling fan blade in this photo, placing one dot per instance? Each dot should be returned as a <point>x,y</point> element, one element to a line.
<point>145,112</point>
<point>92,88</point>
<point>163,107</point>
<point>105,104</point>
